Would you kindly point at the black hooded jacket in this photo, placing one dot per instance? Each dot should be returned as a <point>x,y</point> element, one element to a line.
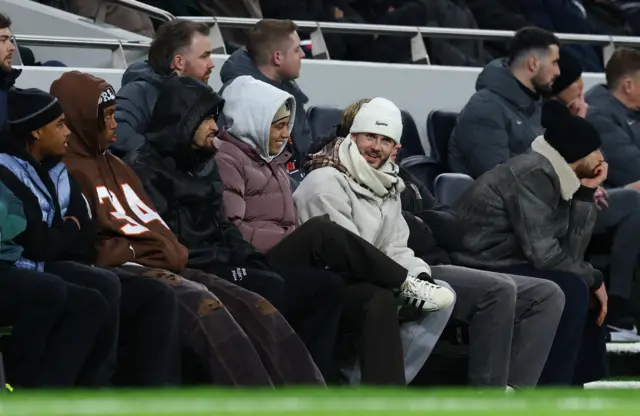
<point>183,183</point>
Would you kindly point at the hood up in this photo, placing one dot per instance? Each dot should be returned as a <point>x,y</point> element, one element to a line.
<point>250,106</point>
<point>79,94</point>
<point>183,103</point>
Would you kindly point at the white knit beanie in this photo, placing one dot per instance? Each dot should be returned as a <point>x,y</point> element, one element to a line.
<point>379,116</point>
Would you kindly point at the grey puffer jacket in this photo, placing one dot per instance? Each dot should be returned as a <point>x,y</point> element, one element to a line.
<point>530,210</point>
<point>619,129</point>
<point>134,105</point>
<point>500,121</point>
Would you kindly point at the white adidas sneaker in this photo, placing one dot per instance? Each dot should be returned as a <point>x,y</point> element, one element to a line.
<point>424,295</point>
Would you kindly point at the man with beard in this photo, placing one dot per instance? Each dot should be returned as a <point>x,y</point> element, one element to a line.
<point>181,47</point>
<point>533,215</point>
<point>8,75</point>
<point>503,117</point>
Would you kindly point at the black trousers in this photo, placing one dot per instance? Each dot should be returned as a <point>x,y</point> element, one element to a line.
<point>55,326</point>
<point>149,352</point>
<point>319,246</point>
<point>578,353</point>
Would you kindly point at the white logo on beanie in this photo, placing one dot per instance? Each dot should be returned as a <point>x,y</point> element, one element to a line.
<point>107,95</point>
<point>379,116</point>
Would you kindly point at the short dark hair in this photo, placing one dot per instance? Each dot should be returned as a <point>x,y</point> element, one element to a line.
<point>266,36</point>
<point>5,21</point>
<point>170,38</point>
<point>528,39</point>
<point>623,62</point>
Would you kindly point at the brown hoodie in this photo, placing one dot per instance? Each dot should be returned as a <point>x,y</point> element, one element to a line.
<point>128,227</point>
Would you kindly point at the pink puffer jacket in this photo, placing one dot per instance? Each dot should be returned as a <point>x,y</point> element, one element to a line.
<point>257,195</point>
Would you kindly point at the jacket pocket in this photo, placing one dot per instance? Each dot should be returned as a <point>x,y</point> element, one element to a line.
<point>501,250</point>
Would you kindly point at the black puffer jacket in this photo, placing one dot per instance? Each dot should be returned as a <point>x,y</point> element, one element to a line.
<point>184,183</point>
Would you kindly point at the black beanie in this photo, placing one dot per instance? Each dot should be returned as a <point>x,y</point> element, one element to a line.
<point>31,109</point>
<point>572,136</point>
<point>570,71</point>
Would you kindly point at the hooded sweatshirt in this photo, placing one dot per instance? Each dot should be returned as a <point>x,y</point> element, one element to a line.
<point>129,228</point>
<point>619,129</point>
<point>500,121</point>
<point>257,191</point>
<point>240,63</point>
<point>184,182</point>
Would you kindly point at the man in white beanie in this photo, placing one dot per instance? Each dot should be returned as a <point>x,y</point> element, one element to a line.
<point>355,181</point>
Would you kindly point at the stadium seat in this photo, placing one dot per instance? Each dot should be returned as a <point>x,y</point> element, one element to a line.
<point>440,124</point>
<point>423,168</point>
<point>322,119</point>
<point>449,187</point>
<point>410,140</point>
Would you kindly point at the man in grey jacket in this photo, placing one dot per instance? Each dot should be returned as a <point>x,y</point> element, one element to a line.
<point>533,215</point>
<point>613,110</point>
<point>503,117</point>
<point>273,55</point>
<point>181,48</point>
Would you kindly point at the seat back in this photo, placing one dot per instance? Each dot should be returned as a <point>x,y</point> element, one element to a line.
<point>322,119</point>
<point>410,140</point>
<point>449,187</point>
<point>423,168</point>
<point>440,124</point>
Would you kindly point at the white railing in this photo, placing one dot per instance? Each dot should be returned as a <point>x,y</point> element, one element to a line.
<point>416,34</point>
<point>138,6</point>
<point>116,46</point>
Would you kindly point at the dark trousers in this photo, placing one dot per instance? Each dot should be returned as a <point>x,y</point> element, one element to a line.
<point>55,325</point>
<point>369,274</point>
<point>370,325</point>
<point>578,353</point>
<point>149,340</point>
<point>623,216</point>
<point>283,354</point>
<point>100,366</point>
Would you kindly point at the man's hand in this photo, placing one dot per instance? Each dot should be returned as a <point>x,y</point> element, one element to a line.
<point>579,107</point>
<point>74,219</point>
<point>600,197</point>
<point>601,296</point>
<point>600,176</point>
<point>338,13</point>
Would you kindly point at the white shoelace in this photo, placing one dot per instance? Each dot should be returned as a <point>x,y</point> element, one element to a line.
<point>420,288</point>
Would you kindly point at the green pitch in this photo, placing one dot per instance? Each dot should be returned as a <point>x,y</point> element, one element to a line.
<point>344,402</point>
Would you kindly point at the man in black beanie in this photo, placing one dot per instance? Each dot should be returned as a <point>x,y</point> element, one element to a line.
<point>533,215</point>
<point>568,87</point>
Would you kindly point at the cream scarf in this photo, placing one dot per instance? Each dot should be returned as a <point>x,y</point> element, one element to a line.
<point>569,182</point>
<point>381,181</point>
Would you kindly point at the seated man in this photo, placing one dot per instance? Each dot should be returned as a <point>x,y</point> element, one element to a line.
<point>503,117</point>
<point>533,216</point>
<point>258,199</point>
<point>180,175</point>
<point>613,110</point>
<point>58,227</point>
<point>489,302</point>
<point>55,323</point>
<point>619,213</point>
<point>229,330</point>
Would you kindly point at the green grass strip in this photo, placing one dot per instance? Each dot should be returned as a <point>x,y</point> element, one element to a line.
<point>347,402</point>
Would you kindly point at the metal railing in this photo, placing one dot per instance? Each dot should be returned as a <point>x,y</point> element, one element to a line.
<point>416,34</point>
<point>138,6</point>
<point>116,46</point>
